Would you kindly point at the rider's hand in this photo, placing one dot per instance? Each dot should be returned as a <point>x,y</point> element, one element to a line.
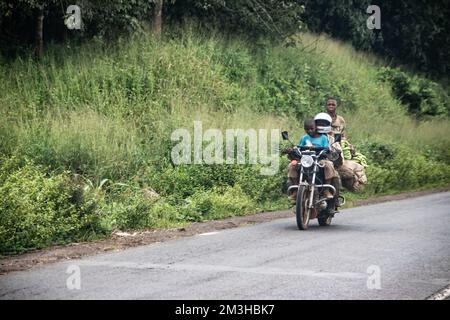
<point>352,150</point>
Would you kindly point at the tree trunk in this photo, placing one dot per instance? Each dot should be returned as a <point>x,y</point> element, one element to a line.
<point>39,36</point>
<point>157,18</point>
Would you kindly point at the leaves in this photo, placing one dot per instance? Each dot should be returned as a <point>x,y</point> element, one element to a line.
<point>414,32</point>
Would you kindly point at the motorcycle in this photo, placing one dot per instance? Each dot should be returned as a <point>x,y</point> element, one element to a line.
<point>310,200</point>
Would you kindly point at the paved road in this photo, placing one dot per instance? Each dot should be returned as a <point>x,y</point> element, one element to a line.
<point>406,243</point>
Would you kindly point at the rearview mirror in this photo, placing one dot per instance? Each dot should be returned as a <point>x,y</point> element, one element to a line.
<point>285,135</point>
<point>338,137</point>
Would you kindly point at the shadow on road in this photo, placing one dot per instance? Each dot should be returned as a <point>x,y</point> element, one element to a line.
<point>314,227</point>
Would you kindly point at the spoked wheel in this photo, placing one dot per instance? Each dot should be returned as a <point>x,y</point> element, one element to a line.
<point>302,212</point>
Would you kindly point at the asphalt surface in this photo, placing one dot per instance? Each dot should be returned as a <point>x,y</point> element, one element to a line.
<point>393,250</point>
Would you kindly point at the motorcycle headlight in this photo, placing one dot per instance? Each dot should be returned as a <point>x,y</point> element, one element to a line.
<point>306,161</point>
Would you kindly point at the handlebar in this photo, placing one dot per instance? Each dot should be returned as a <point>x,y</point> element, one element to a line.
<point>312,148</point>
<point>320,150</point>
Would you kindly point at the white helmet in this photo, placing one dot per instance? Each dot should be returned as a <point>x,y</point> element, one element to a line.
<point>323,122</point>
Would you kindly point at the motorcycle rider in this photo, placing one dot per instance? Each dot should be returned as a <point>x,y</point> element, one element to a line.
<point>315,137</point>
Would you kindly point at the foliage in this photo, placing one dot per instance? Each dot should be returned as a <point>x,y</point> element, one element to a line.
<point>424,44</point>
<point>102,19</point>
<point>86,132</point>
<point>422,97</point>
<point>393,166</point>
<point>37,210</point>
<point>251,18</point>
<point>220,203</point>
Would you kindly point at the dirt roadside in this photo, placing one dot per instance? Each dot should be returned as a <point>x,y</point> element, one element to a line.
<point>121,240</point>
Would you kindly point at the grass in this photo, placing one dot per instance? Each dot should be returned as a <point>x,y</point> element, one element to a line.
<point>107,112</point>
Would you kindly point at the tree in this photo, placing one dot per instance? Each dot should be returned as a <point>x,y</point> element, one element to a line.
<point>254,18</point>
<point>157,18</point>
<point>413,32</point>
<point>39,36</point>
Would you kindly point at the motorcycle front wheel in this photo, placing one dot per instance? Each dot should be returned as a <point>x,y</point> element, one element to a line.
<point>302,212</point>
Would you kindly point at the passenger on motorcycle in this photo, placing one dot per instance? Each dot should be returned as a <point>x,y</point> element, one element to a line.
<point>337,122</point>
<point>323,123</point>
<point>350,164</point>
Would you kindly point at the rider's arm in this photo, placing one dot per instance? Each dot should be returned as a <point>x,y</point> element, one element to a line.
<point>302,142</point>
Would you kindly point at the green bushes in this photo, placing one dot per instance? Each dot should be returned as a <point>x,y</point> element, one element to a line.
<point>285,83</point>
<point>130,209</point>
<point>421,96</point>
<point>37,210</point>
<point>395,167</point>
<point>222,202</point>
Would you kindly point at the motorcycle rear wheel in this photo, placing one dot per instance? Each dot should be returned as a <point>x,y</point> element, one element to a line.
<point>302,212</point>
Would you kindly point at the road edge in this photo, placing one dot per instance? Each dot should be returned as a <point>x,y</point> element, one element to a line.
<point>119,241</point>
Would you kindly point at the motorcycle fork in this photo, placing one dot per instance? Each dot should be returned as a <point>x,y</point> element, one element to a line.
<point>312,186</point>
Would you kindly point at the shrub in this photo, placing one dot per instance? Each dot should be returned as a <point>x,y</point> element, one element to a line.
<point>421,96</point>
<point>378,152</point>
<point>220,203</point>
<point>129,207</point>
<point>37,210</point>
<point>237,64</point>
<point>398,168</point>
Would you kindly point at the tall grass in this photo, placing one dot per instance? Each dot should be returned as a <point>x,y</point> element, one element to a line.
<point>112,109</point>
<point>107,112</point>
<point>367,104</point>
